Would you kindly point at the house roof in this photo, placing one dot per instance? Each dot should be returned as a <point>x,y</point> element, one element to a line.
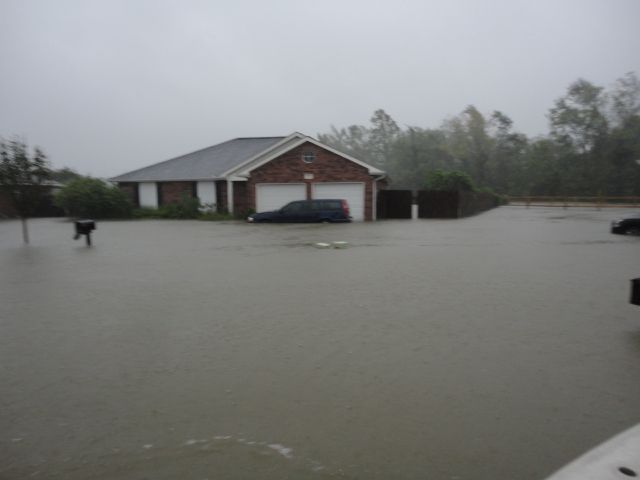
<point>210,162</point>
<point>225,160</point>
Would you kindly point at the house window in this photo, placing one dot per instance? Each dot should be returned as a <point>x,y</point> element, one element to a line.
<point>308,157</point>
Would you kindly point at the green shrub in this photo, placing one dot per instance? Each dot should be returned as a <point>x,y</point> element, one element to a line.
<point>242,215</point>
<point>186,208</point>
<point>216,216</point>
<point>93,198</point>
<point>146,212</point>
<point>449,181</point>
<point>499,199</point>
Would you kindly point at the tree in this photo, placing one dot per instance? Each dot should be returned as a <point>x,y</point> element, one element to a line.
<point>543,172</point>
<point>64,175</point>
<point>469,142</point>
<point>383,133</point>
<point>625,99</point>
<point>506,155</point>
<point>479,142</point>
<point>578,119</point>
<point>373,145</point>
<point>414,153</point>
<point>454,181</point>
<point>91,197</point>
<point>23,178</point>
<point>352,140</point>
<point>580,126</point>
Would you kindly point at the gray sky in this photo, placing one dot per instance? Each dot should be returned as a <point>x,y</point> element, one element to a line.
<point>107,86</point>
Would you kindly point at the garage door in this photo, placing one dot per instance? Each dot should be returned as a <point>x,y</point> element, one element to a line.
<point>272,196</point>
<point>353,193</point>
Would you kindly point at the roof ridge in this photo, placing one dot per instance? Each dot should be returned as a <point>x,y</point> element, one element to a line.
<point>258,138</point>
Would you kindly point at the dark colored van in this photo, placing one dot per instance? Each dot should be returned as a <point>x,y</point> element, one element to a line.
<point>306,211</point>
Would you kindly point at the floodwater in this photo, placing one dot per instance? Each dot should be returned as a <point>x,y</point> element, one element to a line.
<point>497,346</point>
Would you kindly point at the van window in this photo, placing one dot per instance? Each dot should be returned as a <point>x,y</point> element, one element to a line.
<point>326,205</point>
<point>293,207</point>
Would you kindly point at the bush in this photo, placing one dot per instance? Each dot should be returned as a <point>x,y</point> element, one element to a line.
<point>186,208</point>
<point>216,216</point>
<point>452,181</point>
<point>93,198</point>
<point>499,199</point>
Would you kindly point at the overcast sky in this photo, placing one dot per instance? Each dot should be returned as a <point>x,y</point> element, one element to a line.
<point>108,86</point>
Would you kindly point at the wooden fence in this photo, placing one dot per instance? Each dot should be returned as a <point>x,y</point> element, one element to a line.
<point>597,202</point>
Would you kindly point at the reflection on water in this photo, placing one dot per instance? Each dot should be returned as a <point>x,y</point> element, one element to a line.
<point>498,346</point>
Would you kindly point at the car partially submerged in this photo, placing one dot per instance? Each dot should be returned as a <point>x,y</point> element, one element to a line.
<point>307,211</point>
<point>626,226</point>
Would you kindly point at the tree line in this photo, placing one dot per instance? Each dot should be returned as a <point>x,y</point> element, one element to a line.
<point>592,148</point>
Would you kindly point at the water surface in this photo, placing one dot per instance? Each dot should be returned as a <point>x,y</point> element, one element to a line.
<point>498,346</point>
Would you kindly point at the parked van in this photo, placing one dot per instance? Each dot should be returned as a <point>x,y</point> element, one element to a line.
<point>306,211</point>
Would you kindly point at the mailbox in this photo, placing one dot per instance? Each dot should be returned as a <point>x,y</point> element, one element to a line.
<point>84,227</point>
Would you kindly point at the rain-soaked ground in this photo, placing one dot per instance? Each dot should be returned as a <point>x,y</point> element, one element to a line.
<point>495,347</point>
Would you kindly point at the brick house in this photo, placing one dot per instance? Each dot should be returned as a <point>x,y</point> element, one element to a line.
<point>260,174</point>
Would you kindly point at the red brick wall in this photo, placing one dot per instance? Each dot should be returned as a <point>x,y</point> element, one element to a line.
<point>327,167</point>
<point>240,204</point>
<point>221,196</point>
<point>131,191</point>
<point>172,192</point>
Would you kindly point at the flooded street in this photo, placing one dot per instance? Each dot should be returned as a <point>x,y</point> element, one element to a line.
<point>497,346</point>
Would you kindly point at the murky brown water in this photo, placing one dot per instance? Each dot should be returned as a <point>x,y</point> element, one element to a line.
<point>499,346</point>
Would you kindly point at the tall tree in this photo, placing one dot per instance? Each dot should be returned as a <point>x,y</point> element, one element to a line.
<point>383,133</point>
<point>65,175</point>
<point>578,118</point>
<point>469,143</point>
<point>479,142</point>
<point>579,125</point>
<point>353,140</point>
<point>415,153</point>
<point>23,178</point>
<point>507,153</point>
<point>625,99</point>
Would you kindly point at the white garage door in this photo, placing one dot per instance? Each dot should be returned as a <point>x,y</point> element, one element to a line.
<point>272,196</point>
<point>353,193</point>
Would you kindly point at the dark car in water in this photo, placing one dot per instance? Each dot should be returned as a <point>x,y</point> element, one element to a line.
<point>306,211</point>
<point>627,225</point>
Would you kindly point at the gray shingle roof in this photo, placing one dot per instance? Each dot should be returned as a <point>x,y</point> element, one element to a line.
<point>203,164</point>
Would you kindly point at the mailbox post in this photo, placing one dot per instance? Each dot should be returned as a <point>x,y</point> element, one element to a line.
<point>84,227</point>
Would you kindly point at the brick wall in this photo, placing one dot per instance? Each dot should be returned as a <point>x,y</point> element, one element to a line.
<point>240,203</point>
<point>172,192</point>
<point>221,196</point>
<point>327,167</point>
<point>131,191</point>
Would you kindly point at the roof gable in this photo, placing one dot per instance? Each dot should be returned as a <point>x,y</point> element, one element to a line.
<point>290,143</point>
